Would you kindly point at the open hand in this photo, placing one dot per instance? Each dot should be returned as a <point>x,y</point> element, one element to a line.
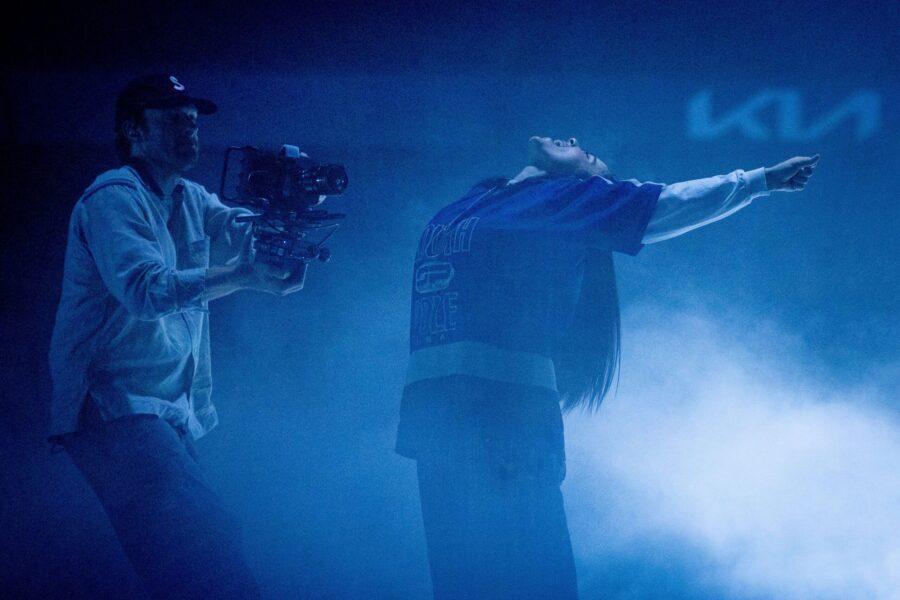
<point>792,174</point>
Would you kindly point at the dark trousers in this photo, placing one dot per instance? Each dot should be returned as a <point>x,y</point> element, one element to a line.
<point>495,528</point>
<point>173,529</point>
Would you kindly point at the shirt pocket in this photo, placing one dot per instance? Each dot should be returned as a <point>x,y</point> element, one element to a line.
<point>197,254</point>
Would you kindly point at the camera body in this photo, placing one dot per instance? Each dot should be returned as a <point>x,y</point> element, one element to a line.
<point>285,189</point>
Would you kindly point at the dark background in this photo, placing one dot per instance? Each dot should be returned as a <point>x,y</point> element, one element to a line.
<point>419,101</point>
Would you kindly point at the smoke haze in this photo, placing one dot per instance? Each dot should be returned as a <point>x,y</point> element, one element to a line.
<point>723,460</point>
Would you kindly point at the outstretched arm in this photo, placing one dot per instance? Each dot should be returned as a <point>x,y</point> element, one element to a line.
<point>688,205</point>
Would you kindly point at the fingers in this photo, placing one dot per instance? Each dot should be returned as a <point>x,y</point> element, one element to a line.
<point>799,180</point>
<point>800,170</point>
<point>265,269</point>
<point>298,275</point>
<point>294,281</point>
<point>806,161</point>
<point>797,183</point>
<point>296,287</point>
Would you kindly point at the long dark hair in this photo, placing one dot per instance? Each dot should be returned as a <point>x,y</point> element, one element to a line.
<point>587,360</point>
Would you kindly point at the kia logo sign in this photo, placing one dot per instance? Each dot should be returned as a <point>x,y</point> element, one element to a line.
<point>780,115</point>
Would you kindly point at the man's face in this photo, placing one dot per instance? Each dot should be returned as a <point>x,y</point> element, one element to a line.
<point>169,140</point>
<point>559,157</point>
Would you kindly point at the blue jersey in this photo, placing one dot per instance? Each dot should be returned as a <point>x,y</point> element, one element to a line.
<point>502,265</point>
<point>496,281</point>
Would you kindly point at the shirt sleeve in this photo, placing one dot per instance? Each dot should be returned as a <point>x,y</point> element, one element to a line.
<point>611,214</point>
<point>129,257</point>
<point>230,240</point>
<point>687,205</point>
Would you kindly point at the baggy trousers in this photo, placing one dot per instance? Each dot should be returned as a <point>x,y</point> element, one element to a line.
<point>494,531</point>
<point>174,530</point>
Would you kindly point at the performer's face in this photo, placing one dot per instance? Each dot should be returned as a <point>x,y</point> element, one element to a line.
<point>169,138</point>
<point>559,157</point>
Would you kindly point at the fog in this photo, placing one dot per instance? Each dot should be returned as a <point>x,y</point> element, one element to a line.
<point>749,450</point>
<point>724,455</point>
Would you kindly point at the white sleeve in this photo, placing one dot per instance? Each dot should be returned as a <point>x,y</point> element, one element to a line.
<point>688,205</point>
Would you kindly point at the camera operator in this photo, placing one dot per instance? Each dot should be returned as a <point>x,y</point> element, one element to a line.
<point>147,250</point>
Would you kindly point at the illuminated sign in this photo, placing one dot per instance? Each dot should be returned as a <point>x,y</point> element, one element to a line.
<point>779,115</point>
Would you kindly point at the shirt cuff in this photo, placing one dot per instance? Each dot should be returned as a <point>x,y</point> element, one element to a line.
<point>756,182</point>
<point>190,289</point>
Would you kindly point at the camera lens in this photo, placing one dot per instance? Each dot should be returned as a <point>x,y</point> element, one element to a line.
<point>329,179</point>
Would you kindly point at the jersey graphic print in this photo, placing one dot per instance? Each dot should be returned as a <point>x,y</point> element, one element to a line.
<point>434,311</point>
<point>502,266</point>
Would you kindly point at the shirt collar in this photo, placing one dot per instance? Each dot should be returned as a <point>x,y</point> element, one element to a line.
<point>143,173</point>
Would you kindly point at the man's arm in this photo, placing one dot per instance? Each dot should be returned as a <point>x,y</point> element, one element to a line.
<point>232,264</point>
<point>224,280</point>
<point>687,205</point>
<point>129,259</point>
<point>229,239</point>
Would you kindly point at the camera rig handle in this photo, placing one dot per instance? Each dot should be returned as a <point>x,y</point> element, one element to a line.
<point>279,240</point>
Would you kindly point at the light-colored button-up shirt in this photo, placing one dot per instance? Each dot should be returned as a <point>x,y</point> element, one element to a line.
<point>132,328</point>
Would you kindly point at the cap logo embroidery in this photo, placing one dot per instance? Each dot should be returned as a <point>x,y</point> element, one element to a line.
<point>176,84</point>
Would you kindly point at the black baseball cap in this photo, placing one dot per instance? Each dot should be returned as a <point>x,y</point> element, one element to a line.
<point>158,90</point>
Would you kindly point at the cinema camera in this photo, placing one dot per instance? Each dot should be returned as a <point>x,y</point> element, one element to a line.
<point>285,189</point>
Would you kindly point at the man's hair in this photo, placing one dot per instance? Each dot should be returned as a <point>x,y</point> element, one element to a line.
<point>123,144</point>
<point>587,360</point>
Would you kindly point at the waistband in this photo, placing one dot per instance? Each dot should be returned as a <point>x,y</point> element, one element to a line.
<point>481,360</point>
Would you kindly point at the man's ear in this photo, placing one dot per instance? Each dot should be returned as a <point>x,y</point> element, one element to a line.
<point>132,131</point>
